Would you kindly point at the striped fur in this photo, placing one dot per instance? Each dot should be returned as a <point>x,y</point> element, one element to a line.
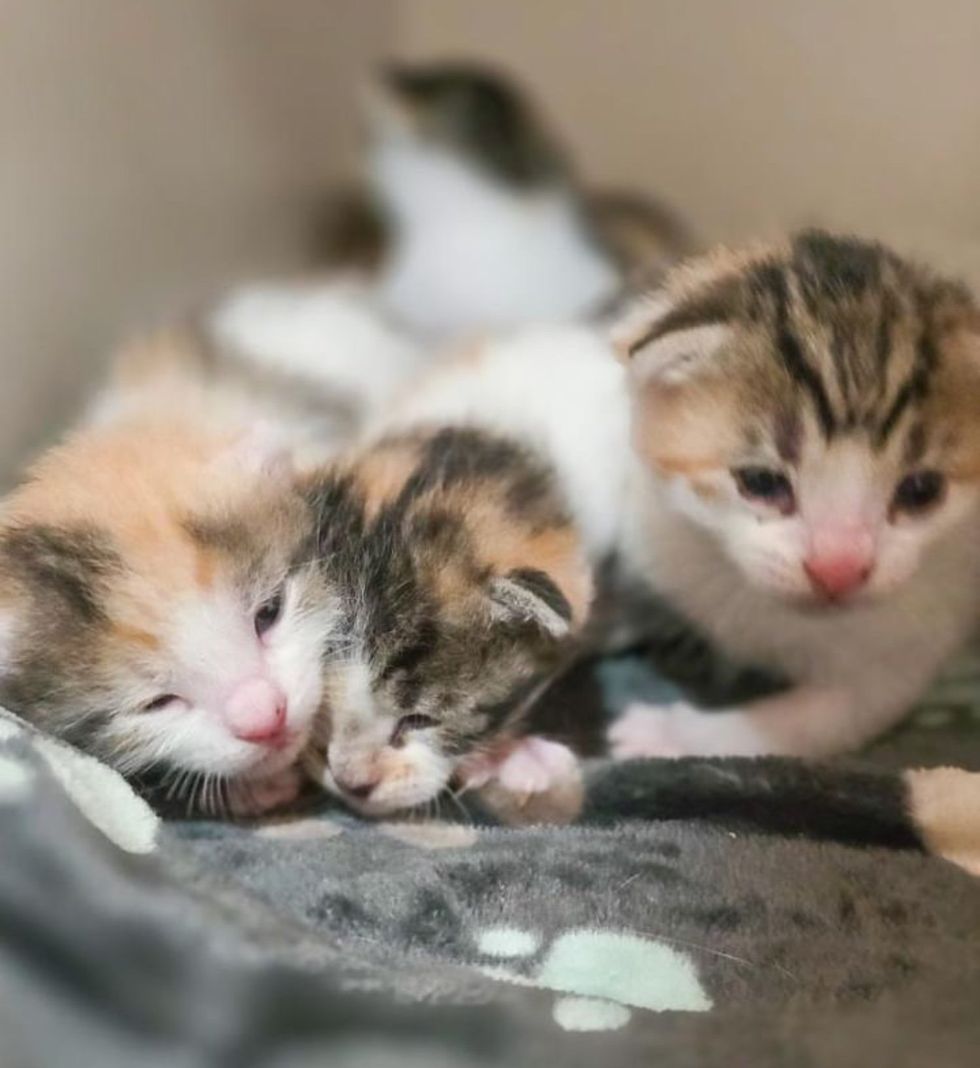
<point>850,378</point>
<point>465,585</point>
<point>437,569</point>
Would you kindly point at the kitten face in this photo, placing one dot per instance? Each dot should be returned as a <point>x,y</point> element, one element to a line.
<point>421,116</point>
<point>160,606</point>
<point>465,586</point>
<point>814,408</point>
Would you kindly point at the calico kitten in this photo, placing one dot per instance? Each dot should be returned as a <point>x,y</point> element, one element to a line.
<point>161,607</point>
<point>808,417</point>
<point>483,505</point>
<point>464,586</point>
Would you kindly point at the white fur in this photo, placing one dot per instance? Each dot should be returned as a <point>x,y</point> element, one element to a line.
<point>322,354</point>
<point>859,668</point>
<point>558,389</point>
<point>470,254</point>
<point>212,647</point>
<point>330,335</point>
<point>360,749</point>
<point>734,569</point>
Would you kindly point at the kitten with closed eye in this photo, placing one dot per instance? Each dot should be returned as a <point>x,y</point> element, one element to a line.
<point>186,607</point>
<point>807,416</point>
<point>463,588</point>
<point>161,607</point>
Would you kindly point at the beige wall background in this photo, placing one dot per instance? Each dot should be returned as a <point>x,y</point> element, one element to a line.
<point>155,149</point>
<point>152,150</point>
<point>754,114</point>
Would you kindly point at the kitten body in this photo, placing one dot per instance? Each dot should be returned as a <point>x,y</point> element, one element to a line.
<point>470,256</point>
<point>807,414</point>
<point>486,229</point>
<point>311,362</point>
<point>482,505</point>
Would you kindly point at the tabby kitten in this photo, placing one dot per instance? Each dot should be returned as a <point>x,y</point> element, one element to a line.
<point>462,588</point>
<point>807,414</point>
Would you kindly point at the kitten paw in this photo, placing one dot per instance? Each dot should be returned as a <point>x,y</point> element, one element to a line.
<point>248,798</point>
<point>654,731</point>
<point>536,765</point>
<point>532,781</point>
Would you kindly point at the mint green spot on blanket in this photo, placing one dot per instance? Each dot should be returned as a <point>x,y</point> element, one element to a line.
<point>590,1014</point>
<point>507,942</point>
<point>621,967</point>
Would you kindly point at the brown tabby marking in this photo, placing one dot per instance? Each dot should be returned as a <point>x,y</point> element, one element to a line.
<point>826,335</point>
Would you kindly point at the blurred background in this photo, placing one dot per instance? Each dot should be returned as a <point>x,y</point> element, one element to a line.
<point>155,150</point>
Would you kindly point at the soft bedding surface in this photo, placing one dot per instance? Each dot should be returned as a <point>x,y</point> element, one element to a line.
<point>630,938</point>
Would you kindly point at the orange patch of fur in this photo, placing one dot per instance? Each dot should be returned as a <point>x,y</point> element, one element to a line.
<point>138,483</point>
<point>381,474</point>
<point>131,635</point>
<point>686,430</point>
<point>505,544</point>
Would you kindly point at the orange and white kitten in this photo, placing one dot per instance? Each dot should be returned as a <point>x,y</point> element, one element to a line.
<point>808,416</point>
<point>160,607</point>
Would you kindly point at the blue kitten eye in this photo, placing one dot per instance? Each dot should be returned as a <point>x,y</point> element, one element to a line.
<point>160,702</point>
<point>766,485</point>
<point>407,724</point>
<point>268,614</point>
<point>919,491</point>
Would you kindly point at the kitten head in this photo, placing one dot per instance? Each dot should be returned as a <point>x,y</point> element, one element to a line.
<point>814,407</point>
<point>425,123</point>
<point>466,587</point>
<point>158,602</point>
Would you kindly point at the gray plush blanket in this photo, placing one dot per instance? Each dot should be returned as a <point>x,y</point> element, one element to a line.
<point>646,934</point>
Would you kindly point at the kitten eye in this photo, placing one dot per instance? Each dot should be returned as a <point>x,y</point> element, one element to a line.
<point>160,702</point>
<point>407,724</point>
<point>919,491</point>
<point>767,485</point>
<point>268,614</point>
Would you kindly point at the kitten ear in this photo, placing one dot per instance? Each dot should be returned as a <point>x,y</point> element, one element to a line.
<point>529,596</point>
<point>662,342</point>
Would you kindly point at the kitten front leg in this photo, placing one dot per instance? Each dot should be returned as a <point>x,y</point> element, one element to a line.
<point>806,721</point>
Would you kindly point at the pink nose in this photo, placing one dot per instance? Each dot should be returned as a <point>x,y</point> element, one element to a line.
<point>839,575</point>
<point>256,712</point>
